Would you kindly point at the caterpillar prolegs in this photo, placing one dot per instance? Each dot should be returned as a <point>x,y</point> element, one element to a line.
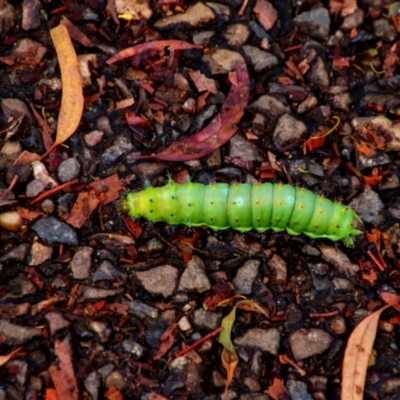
<point>243,207</point>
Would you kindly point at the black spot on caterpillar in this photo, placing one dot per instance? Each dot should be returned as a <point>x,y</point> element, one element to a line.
<point>243,207</point>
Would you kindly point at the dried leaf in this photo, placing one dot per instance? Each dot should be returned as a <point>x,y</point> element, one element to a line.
<point>72,93</point>
<point>158,46</point>
<point>357,354</point>
<point>220,129</point>
<point>63,375</point>
<point>84,206</point>
<point>276,391</point>
<point>5,359</point>
<point>107,190</point>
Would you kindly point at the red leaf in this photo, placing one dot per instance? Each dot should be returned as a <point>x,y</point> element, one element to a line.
<point>158,45</point>
<point>219,130</point>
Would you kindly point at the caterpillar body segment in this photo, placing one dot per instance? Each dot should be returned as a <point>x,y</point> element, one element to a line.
<point>244,207</point>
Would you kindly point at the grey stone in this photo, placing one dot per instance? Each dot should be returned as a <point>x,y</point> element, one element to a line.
<point>194,277</point>
<point>269,105</point>
<point>260,59</point>
<point>195,15</point>
<point>16,334</point>
<point>264,339</point>
<point>203,319</point>
<point>315,23</point>
<point>68,170</point>
<point>56,322</point>
<point>311,343</point>
<point>141,310</point>
<point>338,259</point>
<point>81,262</point>
<point>53,231</point>
<point>120,146</point>
<point>159,280</point>
<point>288,130</point>
<point>369,207</point>
<point>298,390</point>
<point>246,276</point>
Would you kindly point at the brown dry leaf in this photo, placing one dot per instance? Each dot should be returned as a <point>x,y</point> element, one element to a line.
<point>203,83</point>
<point>358,351</point>
<point>63,375</point>
<point>276,391</point>
<point>107,190</point>
<point>155,396</point>
<point>72,94</point>
<point>5,359</point>
<point>344,7</point>
<point>113,394</point>
<point>167,340</point>
<point>84,206</point>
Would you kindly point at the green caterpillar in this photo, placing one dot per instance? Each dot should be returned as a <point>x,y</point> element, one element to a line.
<point>243,207</point>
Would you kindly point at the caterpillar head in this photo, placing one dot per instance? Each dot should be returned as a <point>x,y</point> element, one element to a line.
<point>123,207</point>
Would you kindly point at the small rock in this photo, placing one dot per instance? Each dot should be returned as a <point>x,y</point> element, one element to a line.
<point>304,345</point>
<point>93,138</point>
<point>242,149</point>
<point>116,379</point>
<point>68,170</point>
<point>40,172</point>
<point>15,108</point>
<point>92,293</point>
<point>56,322</point>
<point>369,207</point>
<point>278,265</point>
<point>133,347</point>
<point>81,262</point>
<point>245,277</point>
<point>209,320</point>
<point>318,75</point>
<point>288,130</point>
<point>265,14</point>
<point>298,390</point>
<point>195,15</point>
<point>107,272</point>
<point>102,330</point>
<point>338,324</point>
<point>7,17</point>
<point>31,14</point>
<point>53,231</point>
<point>34,188</point>
<point>237,34</point>
<point>269,105</point>
<point>264,339</point>
<point>338,259</point>
<point>309,103</point>
<point>194,277</point>
<point>159,280</point>
<point>222,61</point>
<point>141,310</point>
<point>39,254</point>
<point>120,146</point>
<point>260,59</point>
<point>92,384</point>
<point>342,284</point>
<point>18,372</point>
<point>353,20</point>
<point>19,287</point>
<point>384,29</point>
<point>315,23</point>
<point>184,324</point>
<point>15,335</point>
<point>18,253</point>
